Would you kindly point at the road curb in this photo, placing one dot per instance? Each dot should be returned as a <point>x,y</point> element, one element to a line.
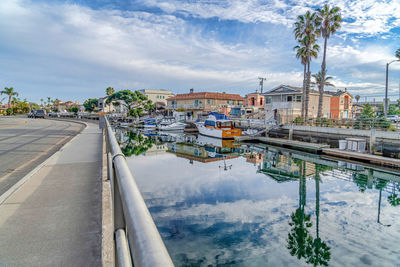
<point>23,180</point>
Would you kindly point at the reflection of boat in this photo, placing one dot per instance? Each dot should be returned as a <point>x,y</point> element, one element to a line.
<point>175,126</point>
<point>150,123</point>
<point>206,140</point>
<point>218,125</point>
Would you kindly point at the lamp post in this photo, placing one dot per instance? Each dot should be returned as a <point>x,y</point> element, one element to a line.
<point>386,109</point>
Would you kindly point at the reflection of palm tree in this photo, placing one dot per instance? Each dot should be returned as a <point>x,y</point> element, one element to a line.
<point>300,242</point>
<point>320,250</point>
<point>299,238</point>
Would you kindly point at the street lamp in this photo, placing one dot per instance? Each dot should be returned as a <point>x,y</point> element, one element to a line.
<point>386,109</point>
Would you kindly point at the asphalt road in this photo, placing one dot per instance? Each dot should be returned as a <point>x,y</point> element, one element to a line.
<point>25,143</point>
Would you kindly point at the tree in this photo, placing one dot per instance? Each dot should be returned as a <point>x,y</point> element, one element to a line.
<point>357,98</point>
<point>10,92</point>
<point>328,21</point>
<point>41,102</point>
<point>305,32</point>
<point>91,104</point>
<point>301,52</point>
<point>317,81</point>
<point>135,102</point>
<point>110,91</point>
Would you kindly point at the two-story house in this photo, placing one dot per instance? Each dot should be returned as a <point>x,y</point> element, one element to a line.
<point>341,105</point>
<point>284,103</point>
<point>157,96</point>
<point>201,103</point>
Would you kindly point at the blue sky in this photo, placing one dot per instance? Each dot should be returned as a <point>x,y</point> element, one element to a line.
<point>73,50</point>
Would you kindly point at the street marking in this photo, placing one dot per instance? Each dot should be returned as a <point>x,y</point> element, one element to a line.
<point>8,126</point>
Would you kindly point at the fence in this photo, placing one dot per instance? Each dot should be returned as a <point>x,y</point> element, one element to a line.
<point>136,236</point>
<point>361,123</point>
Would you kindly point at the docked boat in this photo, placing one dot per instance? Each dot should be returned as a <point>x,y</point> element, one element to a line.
<point>175,126</point>
<point>170,124</point>
<point>219,126</point>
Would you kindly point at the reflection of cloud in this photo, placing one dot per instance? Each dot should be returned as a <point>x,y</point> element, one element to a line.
<point>239,214</point>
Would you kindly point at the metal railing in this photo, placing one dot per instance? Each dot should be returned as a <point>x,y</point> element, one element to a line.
<point>136,236</point>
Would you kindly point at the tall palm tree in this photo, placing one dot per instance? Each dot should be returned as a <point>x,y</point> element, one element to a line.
<point>357,98</point>
<point>10,92</point>
<point>305,32</point>
<point>301,52</point>
<point>110,91</point>
<point>41,102</point>
<point>328,21</point>
<point>318,78</point>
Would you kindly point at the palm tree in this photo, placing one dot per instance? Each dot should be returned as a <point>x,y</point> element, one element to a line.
<point>10,92</point>
<point>357,98</point>
<point>328,21</point>
<point>305,32</point>
<point>41,102</point>
<point>318,78</point>
<point>110,91</point>
<point>301,52</point>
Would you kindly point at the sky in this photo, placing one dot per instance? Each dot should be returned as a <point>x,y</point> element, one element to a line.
<point>75,49</point>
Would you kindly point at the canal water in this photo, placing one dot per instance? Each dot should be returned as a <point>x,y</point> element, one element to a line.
<point>217,203</point>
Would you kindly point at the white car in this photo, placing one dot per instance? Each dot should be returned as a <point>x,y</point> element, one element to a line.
<point>393,118</point>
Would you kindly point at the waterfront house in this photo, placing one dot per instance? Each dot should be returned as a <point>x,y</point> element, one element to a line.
<point>283,103</point>
<point>341,104</point>
<point>157,96</point>
<point>198,104</point>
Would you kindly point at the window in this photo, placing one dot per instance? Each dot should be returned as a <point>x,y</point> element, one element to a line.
<point>173,102</point>
<point>268,100</point>
<point>298,98</point>
<point>240,102</point>
<point>261,102</point>
<point>196,102</point>
<point>231,102</point>
<point>289,98</point>
<point>210,101</point>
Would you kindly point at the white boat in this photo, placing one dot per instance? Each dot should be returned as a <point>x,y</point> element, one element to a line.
<point>176,126</point>
<point>219,126</point>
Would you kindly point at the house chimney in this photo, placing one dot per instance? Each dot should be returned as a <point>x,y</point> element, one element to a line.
<point>191,90</point>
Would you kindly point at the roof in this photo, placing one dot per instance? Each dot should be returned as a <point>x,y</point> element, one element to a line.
<point>206,95</point>
<point>284,89</point>
<point>287,90</point>
<point>337,93</point>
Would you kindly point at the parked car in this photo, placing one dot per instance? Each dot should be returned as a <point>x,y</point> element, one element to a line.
<point>393,118</point>
<point>52,114</point>
<point>31,114</point>
<point>40,113</point>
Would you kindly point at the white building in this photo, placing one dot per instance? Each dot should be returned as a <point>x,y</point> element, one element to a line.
<point>157,96</point>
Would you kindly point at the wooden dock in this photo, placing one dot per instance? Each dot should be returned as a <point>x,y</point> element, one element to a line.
<point>392,162</point>
<point>303,146</point>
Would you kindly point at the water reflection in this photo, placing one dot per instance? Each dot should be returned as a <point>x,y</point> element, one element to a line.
<point>271,207</point>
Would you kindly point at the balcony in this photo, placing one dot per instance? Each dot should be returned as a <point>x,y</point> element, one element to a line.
<point>185,106</point>
<point>282,105</point>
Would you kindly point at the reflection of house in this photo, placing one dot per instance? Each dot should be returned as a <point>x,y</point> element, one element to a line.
<point>197,104</point>
<point>156,149</point>
<point>283,103</point>
<point>282,167</point>
<point>341,106</point>
<point>202,154</point>
<point>158,96</point>
<point>254,158</point>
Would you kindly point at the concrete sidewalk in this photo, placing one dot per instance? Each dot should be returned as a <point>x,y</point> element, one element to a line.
<point>54,219</point>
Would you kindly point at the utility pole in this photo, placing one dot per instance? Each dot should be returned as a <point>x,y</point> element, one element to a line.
<point>261,83</point>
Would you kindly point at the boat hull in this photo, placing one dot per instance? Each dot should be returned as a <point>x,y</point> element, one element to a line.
<point>172,127</point>
<point>218,133</point>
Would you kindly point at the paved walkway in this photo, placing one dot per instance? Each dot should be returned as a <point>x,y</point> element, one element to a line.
<point>54,219</point>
